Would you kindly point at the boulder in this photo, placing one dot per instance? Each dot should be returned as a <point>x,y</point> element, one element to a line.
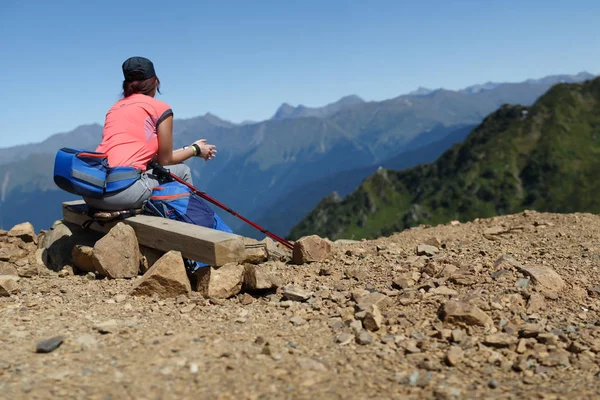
<point>57,243</point>
<point>547,279</point>
<point>83,258</point>
<point>220,283</point>
<point>257,277</point>
<point>24,231</point>
<point>117,254</point>
<point>255,252</point>
<point>7,268</point>
<point>8,285</point>
<point>32,265</point>
<point>12,252</point>
<point>166,278</point>
<point>311,249</point>
<point>461,312</point>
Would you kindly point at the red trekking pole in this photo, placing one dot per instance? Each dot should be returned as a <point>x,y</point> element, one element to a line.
<point>165,172</point>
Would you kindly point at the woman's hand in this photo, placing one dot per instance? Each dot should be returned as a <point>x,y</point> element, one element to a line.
<point>207,151</point>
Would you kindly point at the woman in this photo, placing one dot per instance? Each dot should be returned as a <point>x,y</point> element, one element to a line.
<point>139,129</point>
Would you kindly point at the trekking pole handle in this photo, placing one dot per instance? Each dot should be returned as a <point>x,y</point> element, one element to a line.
<point>159,169</point>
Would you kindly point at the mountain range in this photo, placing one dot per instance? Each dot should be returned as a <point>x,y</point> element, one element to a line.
<point>545,157</point>
<point>262,164</point>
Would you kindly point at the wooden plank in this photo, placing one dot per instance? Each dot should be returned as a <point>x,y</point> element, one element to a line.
<point>194,242</point>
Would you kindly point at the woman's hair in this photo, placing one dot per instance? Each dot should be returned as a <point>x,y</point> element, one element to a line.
<point>144,87</point>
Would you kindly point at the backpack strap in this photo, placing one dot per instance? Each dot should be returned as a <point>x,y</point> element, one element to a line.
<point>134,173</point>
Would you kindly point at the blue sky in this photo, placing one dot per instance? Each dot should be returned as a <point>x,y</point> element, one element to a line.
<point>61,60</point>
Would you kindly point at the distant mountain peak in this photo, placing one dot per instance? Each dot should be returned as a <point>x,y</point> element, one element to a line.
<point>216,120</point>
<point>286,110</point>
<point>421,91</point>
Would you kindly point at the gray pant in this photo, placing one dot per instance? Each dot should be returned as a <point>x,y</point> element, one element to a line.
<point>135,195</point>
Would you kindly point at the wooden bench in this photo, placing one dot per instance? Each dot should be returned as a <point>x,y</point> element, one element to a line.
<point>194,242</point>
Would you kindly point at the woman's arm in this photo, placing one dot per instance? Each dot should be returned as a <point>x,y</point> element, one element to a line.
<point>166,155</point>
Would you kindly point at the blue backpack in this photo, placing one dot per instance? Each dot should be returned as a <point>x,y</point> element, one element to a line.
<point>176,201</point>
<point>88,174</point>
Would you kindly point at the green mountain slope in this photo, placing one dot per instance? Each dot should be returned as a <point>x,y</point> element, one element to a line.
<point>545,157</point>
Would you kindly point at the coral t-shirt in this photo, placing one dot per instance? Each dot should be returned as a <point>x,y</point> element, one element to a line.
<point>129,136</point>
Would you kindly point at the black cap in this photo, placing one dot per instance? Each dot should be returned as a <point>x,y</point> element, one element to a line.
<point>138,69</point>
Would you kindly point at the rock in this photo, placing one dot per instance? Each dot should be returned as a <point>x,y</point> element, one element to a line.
<point>311,249</point>
<point>410,346</point>
<point>67,270</point>
<point>457,335</point>
<point>8,269</point>
<point>530,330</point>
<point>495,230</point>
<point>9,285</point>
<point>521,346</point>
<point>295,293</point>
<point>246,299</point>
<point>363,337</point>
<point>24,231</point>
<point>255,252</point>
<point>187,308</point>
<point>297,320</point>
<point>546,278</point>
<point>31,265</point>
<point>402,282</point>
<point>444,290</point>
<point>57,244</point>
<point>117,254</point>
<point>120,298</point>
<point>427,250</point>
<point>381,300</point>
<point>109,326</point>
<point>547,338</point>
<point>166,278</point>
<point>454,356</point>
<point>458,311</point>
<point>220,283</point>
<point>12,252</point>
<point>493,384</point>
<point>344,338</point>
<point>507,261</point>
<point>434,241</point>
<point>499,340</point>
<point>500,273</point>
<point>536,303</point>
<point>373,319</point>
<point>49,345</point>
<point>358,273</point>
<point>257,278</point>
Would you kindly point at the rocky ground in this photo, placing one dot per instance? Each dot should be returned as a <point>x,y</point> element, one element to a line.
<point>498,308</point>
